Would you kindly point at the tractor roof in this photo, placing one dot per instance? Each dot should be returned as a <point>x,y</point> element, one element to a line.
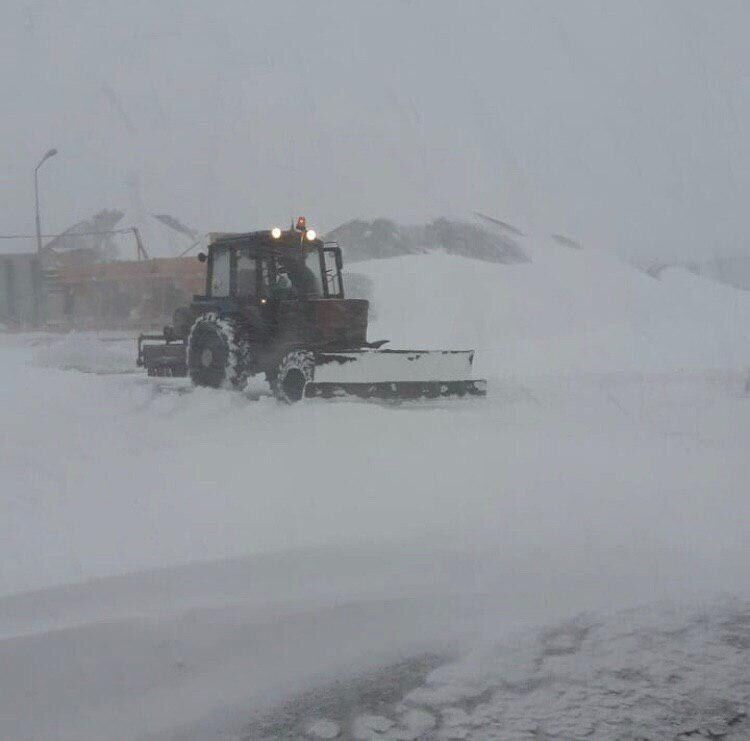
<point>285,244</point>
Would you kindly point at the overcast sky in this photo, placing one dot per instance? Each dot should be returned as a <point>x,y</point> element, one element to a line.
<point>621,124</point>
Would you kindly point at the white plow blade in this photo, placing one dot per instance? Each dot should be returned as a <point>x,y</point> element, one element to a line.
<point>385,366</point>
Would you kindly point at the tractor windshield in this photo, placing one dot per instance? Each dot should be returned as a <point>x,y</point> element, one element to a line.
<point>260,274</point>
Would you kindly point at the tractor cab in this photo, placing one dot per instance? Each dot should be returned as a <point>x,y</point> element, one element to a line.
<point>271,290</point>
<point>273,265</point>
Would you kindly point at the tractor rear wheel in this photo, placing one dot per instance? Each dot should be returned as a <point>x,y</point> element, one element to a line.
<point>295,370</point>
<point>216,355</point>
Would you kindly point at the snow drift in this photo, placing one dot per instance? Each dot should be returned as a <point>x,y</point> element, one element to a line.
<point>566,311</point>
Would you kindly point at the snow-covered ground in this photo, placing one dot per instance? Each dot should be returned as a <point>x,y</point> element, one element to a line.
<point>607,468</point>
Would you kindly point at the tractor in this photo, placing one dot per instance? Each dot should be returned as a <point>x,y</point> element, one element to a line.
<point>274,304</point>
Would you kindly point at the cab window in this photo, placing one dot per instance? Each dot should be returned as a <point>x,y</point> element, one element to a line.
<point>268,276</point>
<point>220,273</point>
<point>247,276</point>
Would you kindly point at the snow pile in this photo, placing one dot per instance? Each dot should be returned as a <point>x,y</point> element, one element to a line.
<point>566,311</point>
<point>732,270</point>
<point>381,238</point>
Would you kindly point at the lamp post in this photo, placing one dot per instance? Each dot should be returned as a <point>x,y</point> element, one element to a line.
<point>50,153</point>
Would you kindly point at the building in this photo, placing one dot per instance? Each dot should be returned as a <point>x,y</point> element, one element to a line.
<point>21,291</point>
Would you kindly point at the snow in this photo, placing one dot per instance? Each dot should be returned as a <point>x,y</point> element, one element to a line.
<point>367,725</point>
<point>567,311</point>
<point>279,548</point>
<point>86,353</point>
<point>323,729</point>
<point>660,672</point>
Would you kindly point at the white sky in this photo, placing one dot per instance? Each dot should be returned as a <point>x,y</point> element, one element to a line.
<point>620,124</point>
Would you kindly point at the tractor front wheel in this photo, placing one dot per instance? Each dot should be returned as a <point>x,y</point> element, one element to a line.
<point>216,355</point>
<point>294,372</point>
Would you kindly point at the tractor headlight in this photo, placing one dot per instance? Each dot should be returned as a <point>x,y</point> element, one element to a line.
<point>310,234</point>
<point>276,232</point>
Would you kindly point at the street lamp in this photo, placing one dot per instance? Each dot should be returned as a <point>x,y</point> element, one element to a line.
<point>50,153</point>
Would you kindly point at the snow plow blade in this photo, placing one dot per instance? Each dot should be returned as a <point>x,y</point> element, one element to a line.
<point>394,374</point>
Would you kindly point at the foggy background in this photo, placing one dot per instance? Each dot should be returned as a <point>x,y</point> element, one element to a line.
<point>566,556</point>
<point>618,124</point>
